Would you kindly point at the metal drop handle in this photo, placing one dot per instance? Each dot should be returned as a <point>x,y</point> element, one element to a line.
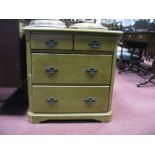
<point>51,43</point>
<point>51,70</point>
<point>91,71</point>
<point>90,100</point>
<point>94,44</point>
<point>52,100</point>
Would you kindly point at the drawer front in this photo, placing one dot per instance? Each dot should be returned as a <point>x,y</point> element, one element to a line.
<point>142,37</point>
<point>130,37</point>
<point>136,37</point>
<point>71,69</point>
<point>91,43</point>
<point>70,99</point>
<point>49,41</point>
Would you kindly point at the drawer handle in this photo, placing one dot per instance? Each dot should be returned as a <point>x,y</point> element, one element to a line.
<point>90,100</point>
<point>51,43</point>
<point>94,44</point>
<point>91,71</point>
<point>51,70</point>
<point>52,100</point>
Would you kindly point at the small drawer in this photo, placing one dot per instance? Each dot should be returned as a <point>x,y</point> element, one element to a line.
<point>49,41</point>
<point>130,36</point>
<point>71,69</point>
<point>94,43</point>
<point>141,37</point>
<point>70,99</point>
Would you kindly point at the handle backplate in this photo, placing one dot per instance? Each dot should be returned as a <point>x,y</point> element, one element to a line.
<point>90,100</point>
<point>94,44</point>
<point>51,43</point>
<point>92,71</point>
<point>52,100</point>
<point>51,70</point>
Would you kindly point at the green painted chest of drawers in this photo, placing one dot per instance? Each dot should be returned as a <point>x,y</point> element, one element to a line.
<point>70,73</point>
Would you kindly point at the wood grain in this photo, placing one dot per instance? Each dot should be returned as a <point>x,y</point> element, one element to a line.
<point>71,68</point>
<point>82,43</point>
<point>39,41</point>
<point>40,117</point>
<point>71,85</point>
<point>70,99</point>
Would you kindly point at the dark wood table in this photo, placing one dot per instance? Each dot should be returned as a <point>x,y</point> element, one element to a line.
<point>142,41</point>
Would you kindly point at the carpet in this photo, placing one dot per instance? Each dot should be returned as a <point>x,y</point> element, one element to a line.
<point>133,114</point>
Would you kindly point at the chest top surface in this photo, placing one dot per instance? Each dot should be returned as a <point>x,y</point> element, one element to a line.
<point>71,30</point>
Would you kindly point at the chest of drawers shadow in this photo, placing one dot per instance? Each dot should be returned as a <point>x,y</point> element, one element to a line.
<point>70,73</point>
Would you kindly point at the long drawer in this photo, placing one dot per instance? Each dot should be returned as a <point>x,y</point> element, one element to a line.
<point>71,69</point>
<point>94,43</point>
<point>69,99</point>
<point>50,41</point>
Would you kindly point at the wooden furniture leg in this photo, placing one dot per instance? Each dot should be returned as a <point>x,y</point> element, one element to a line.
<point>152,76</point>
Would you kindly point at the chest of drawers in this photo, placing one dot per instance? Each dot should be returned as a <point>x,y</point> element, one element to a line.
<point>70,73</point>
